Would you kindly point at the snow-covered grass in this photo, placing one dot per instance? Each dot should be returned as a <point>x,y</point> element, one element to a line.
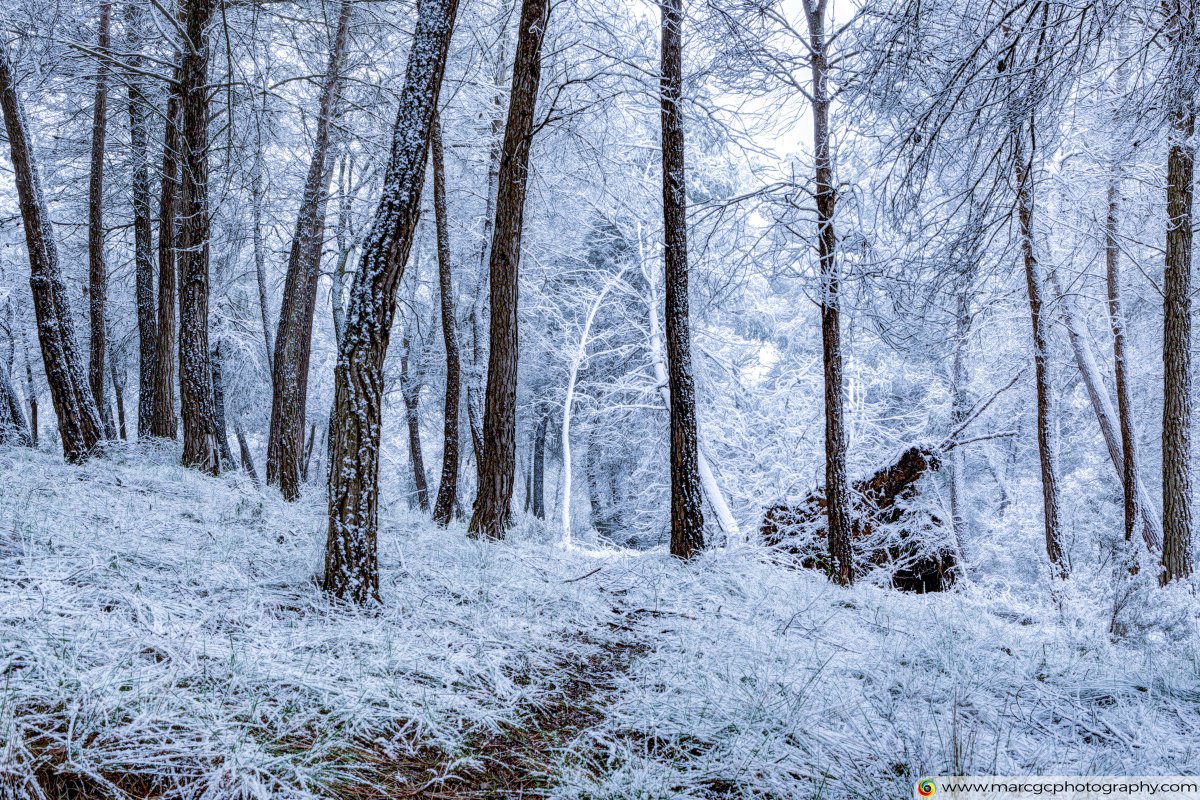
<point>160,630</point>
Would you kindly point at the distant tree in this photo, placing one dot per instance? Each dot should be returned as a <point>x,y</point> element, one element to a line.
<point>447,494</point>
<point>97,269</point>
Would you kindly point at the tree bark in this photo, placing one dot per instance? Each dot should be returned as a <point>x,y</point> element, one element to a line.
<point>164,423</point>
<point>244,451</point>
<point>293,342</point>
<point>143,244</point>
<point>538,489</point>
<point>1177,302</point>
<point>448,486</point>
<point>97,269</point>
<point>30,390</point>
<point>219,408</point>
<point>118,382</point>
<point>497,467</point>
<point>1047,449</point>
<point>351,557</point>
<point>837,486</point>
<point>687,514</point>
<point>197,408</point>
<point>74,404</point>
<point>12,419</point>
<point>411,392</point>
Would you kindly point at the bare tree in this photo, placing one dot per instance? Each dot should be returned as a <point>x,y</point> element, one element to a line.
<point>497,467</point>
<point>197,408</point>
<point>293,343</point>
<point>447,494</point>
<point>351,557</point>
<point>97,269</point>
<point>164,423</point>
<point>74,404</point>
<point>1183,33</point>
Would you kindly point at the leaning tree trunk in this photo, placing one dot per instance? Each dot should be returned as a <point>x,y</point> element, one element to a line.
<point>1177,301</point>
<point>1041,356</point>
<point>164,423</point>
<point>351,556</point>
<point>143,253</point>
<point>293,342</point>
<point>837,486</point>
<point>200,445</point>
<point>411,393</point>
<point>97,269</point>
<point>498,465</point>
<point>447,493</point>
<point>74,404</point>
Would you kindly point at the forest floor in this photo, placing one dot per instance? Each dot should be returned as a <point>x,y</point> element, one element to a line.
<point>161,635</point>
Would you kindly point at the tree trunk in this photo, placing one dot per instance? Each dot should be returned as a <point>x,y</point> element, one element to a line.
<point>258,190</point>
<point>687,514</point>
<point>74,404</point>
<point>961,407</point>
<point>411,392</point>
<point>351,557</point>
<point>244,451</point>
<point>118,382</point>
<point>1177,301</point>
<point>538,471</point>
<point>293,342</point>
<point>143,244</point>
<point>30,390</point>
<point>219,408</point>
<point>498,466</point>
<point>308,451</point>
<point>837,486</point>
<point>197,408</point>
<point>164,423</point>
<point>448,486</point>
<point>1023,169</point>
<point>12,419</point>
<point>97,269</point>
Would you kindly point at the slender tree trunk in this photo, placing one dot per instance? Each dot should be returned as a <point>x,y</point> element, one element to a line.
<point>308,451</point>
<point>448,486</point>
<point>293,343</point>
<point>219,408</point>
<point>411,392</point>
<point>351,556</point>
<point>837,485</point>
<point>498,465</point>
<point>258,190</point>
<point>244,451</point>
<point>164,423</point>
<point>12,419</point>
<point>74,403</point>
<point>1047,448</point>
<point>1130,483</point>
<point>1177,296</point>
<point>687,514</point>
<point>118,382</point>
<point>30,389</point>
<point>197,408</point>
<point>97,269</point>
<point>961,407</point>
<point>538,489</point>
<point>143,244</point>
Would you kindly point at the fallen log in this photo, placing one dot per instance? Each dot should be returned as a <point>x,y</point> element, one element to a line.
<point>889,530</point>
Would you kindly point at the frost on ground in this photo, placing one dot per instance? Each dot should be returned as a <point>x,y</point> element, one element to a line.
<point>161,635</point>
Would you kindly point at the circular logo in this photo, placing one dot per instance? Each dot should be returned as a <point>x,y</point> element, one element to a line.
<point>926,788</point>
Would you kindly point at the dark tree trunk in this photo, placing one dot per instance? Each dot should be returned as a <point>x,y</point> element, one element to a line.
<point>497,469</point>
<point>538,490</point>
<point>74,404</point>
<point>837,486</point>
<point>143,245</point>
<point>244,450</point>
<point>197,408</point>
<point>1041,358</point>
<point>411,392</point>
<point>97,269</point>
<point>448,486</point>
<point>351,556</point>
<point>1112,256</point>
<point>118,382</point>
<point>30,392</point>
<point>308,451</point>
<point>12,419</point>
<point>219,408</point>
<point>164,423</point>
<point>293,342</point>
<point>1177,297</point>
